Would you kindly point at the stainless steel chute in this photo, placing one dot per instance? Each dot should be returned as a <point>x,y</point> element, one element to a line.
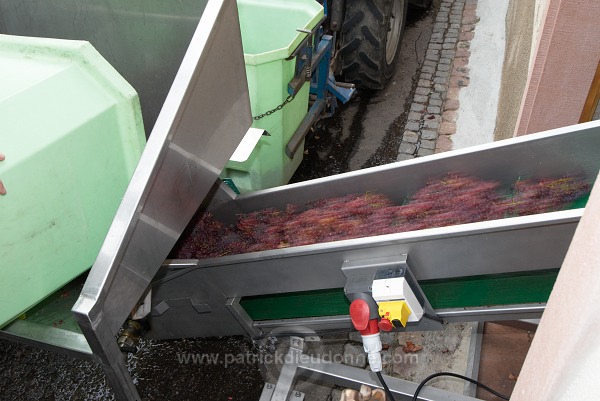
<point>204,117</point>
<point>519,244</point>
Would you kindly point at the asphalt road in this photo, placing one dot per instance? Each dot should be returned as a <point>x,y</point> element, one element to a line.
<point>363,133</point>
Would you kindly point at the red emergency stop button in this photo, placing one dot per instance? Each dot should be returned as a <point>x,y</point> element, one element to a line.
<point>385,325</point>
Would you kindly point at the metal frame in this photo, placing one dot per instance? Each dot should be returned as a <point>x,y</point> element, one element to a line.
<point>322,85</point>
<point>342,322</point>
<point>515,244</point>
<point>501,246</point>
<point>233,304</point>
<point>493,313</point>
<point>441,253</point>
<point>474,358</point>
<point>299,364</point>
<point>49,338</point>
<point>50,325</point>
<point>362,272</point>
<point>269,389</point>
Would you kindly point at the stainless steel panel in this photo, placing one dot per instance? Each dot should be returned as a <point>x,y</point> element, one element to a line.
<point>568,150</point>
<point>47,337</point>
<point>501,246</point>
<point>491,247</point>
<point>184,321</point>
<point>144,40</point>
<point>518,244</point>
<point>204,117</point>
<point>493,313</point>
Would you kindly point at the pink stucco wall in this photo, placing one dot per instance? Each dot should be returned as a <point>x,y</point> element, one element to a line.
<point>565,62</point>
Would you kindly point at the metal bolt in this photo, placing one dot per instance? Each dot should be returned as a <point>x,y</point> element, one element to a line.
<point>269,386</point>
<point>298,394</point>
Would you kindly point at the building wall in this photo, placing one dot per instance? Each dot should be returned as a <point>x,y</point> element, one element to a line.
<point>552,50</point>
<point>523,29</point>
<point>564,65</point>
<point>539,14</point>
<point>564,359</point>
<point>519,33</point>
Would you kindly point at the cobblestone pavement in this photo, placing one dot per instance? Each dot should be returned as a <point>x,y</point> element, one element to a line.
<point>432,118</point>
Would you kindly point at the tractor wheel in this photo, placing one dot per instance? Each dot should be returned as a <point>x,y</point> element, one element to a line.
<point>370,41</point>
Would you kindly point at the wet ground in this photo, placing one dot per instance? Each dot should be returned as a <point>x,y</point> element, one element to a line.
<point>364,133</point>
<point>184,370</point>
<point>367,131</point>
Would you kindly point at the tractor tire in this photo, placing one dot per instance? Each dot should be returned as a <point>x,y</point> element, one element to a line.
<point>370,41</point>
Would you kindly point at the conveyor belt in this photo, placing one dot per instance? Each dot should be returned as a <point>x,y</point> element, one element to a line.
<point>477,265</point>
<point>462,292</point>
<point>476,291</point>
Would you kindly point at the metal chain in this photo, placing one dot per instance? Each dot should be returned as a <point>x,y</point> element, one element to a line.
<point>281,106</point>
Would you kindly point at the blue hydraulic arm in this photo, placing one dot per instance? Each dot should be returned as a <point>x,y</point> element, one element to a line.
<point>323,86</point>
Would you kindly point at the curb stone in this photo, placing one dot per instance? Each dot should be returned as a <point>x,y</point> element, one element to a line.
<point>432,120</point>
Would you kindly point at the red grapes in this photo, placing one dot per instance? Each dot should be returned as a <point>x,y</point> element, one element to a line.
<point>452,199</point>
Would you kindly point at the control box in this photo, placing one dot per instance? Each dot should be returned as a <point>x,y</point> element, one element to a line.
<point>397,302</point>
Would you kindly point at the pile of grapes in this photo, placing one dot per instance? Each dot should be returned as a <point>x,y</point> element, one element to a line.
<point>453,199</point>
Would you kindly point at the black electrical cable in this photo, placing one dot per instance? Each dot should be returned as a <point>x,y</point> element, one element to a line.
<point>385,387</point>
<point>433,376</point>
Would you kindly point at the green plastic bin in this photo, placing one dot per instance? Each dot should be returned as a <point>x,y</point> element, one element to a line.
<point>72,132</point>
<point>269,36</point>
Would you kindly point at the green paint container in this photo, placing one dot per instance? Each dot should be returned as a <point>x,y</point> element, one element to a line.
<point>72,132</point>
<point>269,36</point>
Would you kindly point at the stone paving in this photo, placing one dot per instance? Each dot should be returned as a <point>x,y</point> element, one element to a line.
<point>432,118</point>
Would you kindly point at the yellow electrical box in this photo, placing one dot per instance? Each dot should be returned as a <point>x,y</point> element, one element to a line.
<point>396,312</point>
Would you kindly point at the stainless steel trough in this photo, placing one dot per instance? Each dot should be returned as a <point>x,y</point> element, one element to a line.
<point>513,245</point>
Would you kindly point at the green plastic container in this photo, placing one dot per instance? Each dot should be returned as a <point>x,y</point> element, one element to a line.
<point>72,132</point>
<point>269,36</point>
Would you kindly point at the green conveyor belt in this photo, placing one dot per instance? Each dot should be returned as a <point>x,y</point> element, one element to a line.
<point>474,291</point>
